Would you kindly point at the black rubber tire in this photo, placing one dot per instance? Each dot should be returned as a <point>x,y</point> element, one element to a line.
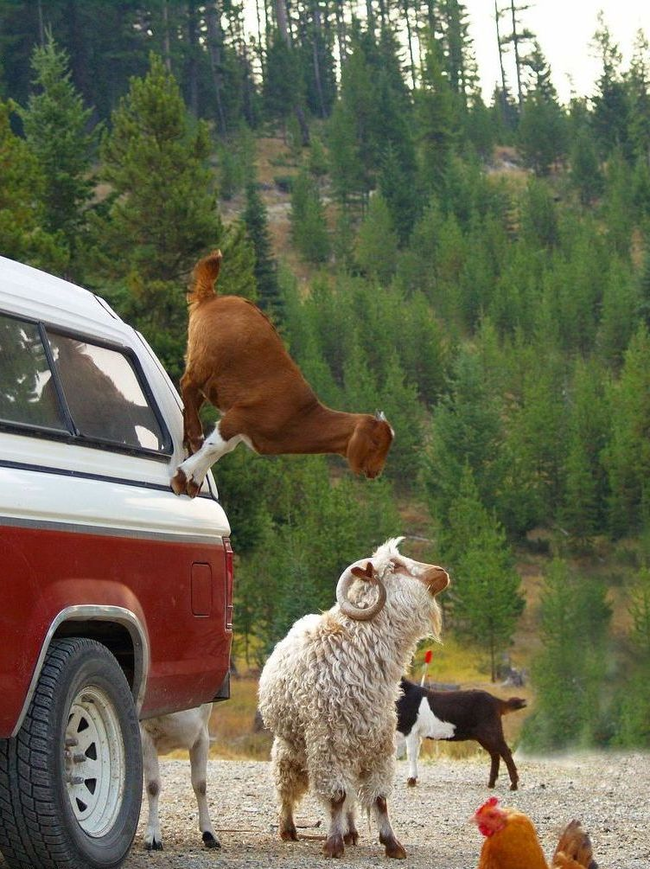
<point>38,828</point>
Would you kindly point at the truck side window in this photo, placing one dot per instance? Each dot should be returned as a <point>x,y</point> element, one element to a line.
<point>27,392</point>
<point>104,395</point>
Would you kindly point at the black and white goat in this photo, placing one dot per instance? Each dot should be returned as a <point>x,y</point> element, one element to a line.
<point>456,716</point>
<point>189,730</point>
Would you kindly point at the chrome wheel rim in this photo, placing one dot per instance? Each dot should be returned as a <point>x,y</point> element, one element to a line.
<point>94,761</point>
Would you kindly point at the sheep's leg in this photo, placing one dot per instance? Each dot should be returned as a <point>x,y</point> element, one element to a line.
<point>334,844</point>
<point>352,835</point>
<point>413,743</point>
<point>193,399</point>
<point>152,836</point>
<point>199,767</point>
<point>291,783</point>
<point>190,474</point>
<point>386,835</point>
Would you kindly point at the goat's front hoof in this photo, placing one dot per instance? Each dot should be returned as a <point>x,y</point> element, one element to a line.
<point>411,782</point>
<point>153,845</point>
<point>210,840</point>
<point>179,482</point>
<point>394,848</point>
<point>192,488</point>
<point>334,847</point>
<point>290,834</point>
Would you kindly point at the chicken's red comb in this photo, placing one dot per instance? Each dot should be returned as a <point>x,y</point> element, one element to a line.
<point>488,804</point>
<point>427,656</point>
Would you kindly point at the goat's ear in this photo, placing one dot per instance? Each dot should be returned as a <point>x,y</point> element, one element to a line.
<point>366,574</point>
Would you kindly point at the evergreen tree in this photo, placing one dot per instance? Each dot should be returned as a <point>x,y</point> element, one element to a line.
<point>22,216</point>
<point>541,135</point>
<point>585,173</point>
<point>162,215</point>
<point>574,620</point>
<point>255,220</point>
<point>376,248</point>
<point>308,227</point>
<point>55,124</point>
<point>436,122</point>
<point>486,599</point>
<point>611,115</point>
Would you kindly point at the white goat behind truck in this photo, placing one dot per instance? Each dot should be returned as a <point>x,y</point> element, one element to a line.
<point>189,730</point>
<point>328,693</point>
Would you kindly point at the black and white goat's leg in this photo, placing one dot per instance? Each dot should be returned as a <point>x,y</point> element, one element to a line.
<point>291,783</point>
<point>152,836</point>
<point>199,768</point>
<point>413,743</point>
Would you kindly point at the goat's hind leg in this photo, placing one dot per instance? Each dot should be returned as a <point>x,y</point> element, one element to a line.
<point>291,783</point>
<point>152,836</point>
<point>494,761</point>
<point>193,400</point>
<point>199,767</point>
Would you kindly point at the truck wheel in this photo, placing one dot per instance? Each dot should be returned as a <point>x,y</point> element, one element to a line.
<point>71,780</point>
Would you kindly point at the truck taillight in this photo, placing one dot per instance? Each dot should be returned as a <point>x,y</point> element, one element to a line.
<point>228,555</point>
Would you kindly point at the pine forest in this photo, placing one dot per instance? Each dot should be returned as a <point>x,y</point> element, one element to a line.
<point>477,269</point>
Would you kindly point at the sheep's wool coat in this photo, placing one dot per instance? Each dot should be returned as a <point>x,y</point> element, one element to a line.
<point>328,690</point>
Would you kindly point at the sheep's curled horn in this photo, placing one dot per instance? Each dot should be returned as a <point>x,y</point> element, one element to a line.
<point>347,607</point>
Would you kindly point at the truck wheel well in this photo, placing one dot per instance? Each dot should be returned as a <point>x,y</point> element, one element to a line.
<point>115,637</point>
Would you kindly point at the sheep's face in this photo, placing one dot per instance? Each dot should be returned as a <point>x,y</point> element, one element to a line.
<point>405,586</point>
<point>369,445</point>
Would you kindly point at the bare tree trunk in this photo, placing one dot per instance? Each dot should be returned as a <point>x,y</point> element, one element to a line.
<point>167,54</point>
<point>214,51</point>
<point>192,62</point>
<point>515,43</point>
<point>283,29</point>
<point>316,41</point>
<point>409,34</point>
<point>497,15</point>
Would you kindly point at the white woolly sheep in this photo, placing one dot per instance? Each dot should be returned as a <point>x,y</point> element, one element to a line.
<point>328,693</point>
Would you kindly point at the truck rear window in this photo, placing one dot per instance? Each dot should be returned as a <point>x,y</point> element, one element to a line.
<point>66,384</point>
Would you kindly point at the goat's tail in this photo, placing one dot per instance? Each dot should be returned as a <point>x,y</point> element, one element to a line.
<point>205,273</point>
<point>512,705</point>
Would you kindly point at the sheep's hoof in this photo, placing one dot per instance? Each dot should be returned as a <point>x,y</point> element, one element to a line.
<point>334,847</point>
<point>210,841</point>
<point>351,837</point>
<point>179,482</point>
<point>154,845</point>
<point>411,782</point>
<point>289,835</point>
<point>394,849</point>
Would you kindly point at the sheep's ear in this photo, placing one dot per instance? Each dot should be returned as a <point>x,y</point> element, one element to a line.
<point>366,574</point>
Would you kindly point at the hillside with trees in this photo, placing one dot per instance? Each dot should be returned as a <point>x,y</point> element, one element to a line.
<point>480,271</point>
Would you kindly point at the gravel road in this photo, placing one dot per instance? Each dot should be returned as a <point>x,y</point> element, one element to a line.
<point>609,793</point>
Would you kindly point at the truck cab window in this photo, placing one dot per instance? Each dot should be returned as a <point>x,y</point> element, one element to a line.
<point>104,395</point>
<point>27,392</point>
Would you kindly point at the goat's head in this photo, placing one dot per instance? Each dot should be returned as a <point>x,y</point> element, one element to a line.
<point>369,445</point>
<point>402,583</point>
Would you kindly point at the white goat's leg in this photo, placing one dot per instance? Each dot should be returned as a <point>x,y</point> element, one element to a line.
<point>190,474</point>
<point>413,743</point>
<point>386,835</point>
<point>291,783</point>
<point>199,767</point>
<point>152,836</point>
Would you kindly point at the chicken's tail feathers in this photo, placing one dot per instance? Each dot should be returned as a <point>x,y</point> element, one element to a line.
<point>574,849</point>
<point>512,705</point>
<point>205,273</point>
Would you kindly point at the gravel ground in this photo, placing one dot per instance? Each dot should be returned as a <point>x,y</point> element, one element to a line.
<point>609,793</point>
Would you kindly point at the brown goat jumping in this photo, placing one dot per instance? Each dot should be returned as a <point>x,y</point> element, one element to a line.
<point>237,361</point>
<point>455,716</point>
